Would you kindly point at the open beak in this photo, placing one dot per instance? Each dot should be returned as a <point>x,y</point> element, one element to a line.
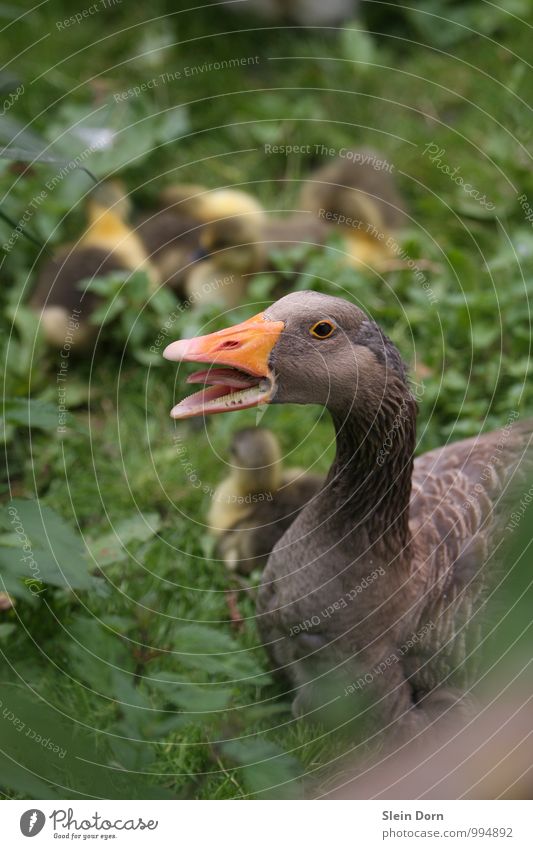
<point>245,379</point>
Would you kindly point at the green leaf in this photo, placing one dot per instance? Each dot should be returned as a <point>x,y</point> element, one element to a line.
<point>116,138</point>
<point>163,302</point>
<point>267,771</point>
<point>23,145</point>
<point>357,46</point>
<point>147,358</point>
<point>265,710</point>
<point>193,697</point>
<point>159,728</point>
<point>31,413</point>
<point>213,651</point>
<point>99,657</point>
<point>261,286</point>
<point>108,285</point>
<point>54,553</point>
<point>112,547</point>
<point>108,311</point>
<point>44,754</point>
<point>172,124</point>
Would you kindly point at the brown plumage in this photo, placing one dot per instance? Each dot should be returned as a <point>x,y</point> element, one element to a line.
<point>228,233</point>
<point>488,757</point>
<point>172,242</point>
<point>108,244</point>
<point>356,195</point>
<point>255,504</point>
<point>372,585</point>
<point>62,306</point>
<point>236,236</point>
<point>211,245</point>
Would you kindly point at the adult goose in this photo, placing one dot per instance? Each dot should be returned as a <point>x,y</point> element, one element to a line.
<point>378,575</point>
<point>257,501</point>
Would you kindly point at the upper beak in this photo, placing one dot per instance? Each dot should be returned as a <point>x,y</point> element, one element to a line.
<point>245,349</point>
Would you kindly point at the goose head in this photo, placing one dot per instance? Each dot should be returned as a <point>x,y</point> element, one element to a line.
<point>306,348</point>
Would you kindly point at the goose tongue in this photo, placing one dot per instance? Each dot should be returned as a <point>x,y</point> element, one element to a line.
<point>229,389</point>
<point>228,377</point>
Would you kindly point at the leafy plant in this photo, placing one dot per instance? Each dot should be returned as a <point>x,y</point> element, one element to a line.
<point>133,311</point>
<point>126,655</point>
<point>38,548</point>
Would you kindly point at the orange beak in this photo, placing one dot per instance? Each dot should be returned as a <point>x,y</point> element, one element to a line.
<point>246,379</point>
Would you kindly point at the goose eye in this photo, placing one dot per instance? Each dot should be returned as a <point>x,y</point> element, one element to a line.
<point>322,329</point>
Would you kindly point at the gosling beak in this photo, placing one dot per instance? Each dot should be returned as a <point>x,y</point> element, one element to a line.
<point>245,380</point>
<point>200,254</point>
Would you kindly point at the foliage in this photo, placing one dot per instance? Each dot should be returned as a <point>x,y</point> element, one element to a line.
<point>133,311</point>
<point>125,654</point>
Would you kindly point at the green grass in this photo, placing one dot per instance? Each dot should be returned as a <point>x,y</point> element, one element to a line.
<point>405,86</point>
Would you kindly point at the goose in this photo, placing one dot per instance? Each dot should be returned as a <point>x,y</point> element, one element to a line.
<point>356,194</point>
<point>378,575</point>
<point>108,244</point>
<point>257,501</point>
<point>171,242</point>
<point>229,246</point>
<point>235,236</point>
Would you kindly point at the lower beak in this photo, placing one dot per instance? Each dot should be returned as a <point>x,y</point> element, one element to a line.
<point>245,380</point>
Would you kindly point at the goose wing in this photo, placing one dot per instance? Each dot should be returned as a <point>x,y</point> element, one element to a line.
<point>462,499</point>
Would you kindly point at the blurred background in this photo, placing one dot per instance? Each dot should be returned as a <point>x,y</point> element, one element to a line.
<point>131,666</point>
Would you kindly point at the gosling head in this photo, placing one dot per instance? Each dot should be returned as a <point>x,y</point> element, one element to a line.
<point>233,231</point>
<point>255,458</point>
<point>109,195</point>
